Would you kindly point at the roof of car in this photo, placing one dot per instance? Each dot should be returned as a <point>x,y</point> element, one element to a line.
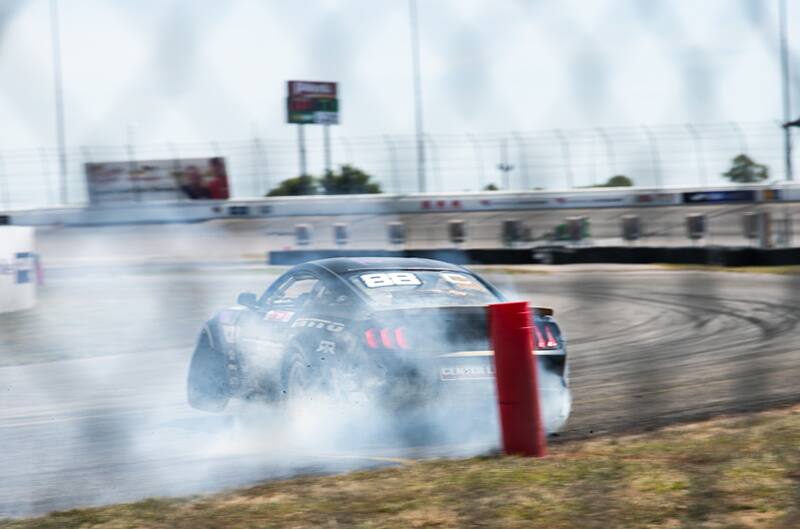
<point>341,265</point>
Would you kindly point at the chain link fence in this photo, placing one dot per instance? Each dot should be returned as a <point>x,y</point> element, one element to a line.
<point>674,155</point>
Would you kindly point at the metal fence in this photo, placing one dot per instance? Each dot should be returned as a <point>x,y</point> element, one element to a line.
<point>673,155</point>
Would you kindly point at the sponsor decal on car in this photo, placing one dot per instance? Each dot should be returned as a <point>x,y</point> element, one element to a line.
<point>327,347</point>
<point>392,279</point>
<point>282,316</point>
<point>460,280</point>
<point>467,372</point>
<point>313,323</point>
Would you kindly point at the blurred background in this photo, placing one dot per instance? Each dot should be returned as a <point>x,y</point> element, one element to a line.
<point>562,94</point>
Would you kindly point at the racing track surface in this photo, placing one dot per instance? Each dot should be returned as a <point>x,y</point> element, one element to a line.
<point>648,347</point>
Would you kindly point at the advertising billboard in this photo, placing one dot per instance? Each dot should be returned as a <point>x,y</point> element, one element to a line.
<point>312,102</point>
<point>155,180</point>
<point>712,197</point>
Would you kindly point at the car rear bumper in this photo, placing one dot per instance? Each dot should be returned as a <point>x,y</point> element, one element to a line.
<point>465,383</point>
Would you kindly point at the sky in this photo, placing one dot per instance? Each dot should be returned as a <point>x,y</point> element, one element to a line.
<point>215,70</point>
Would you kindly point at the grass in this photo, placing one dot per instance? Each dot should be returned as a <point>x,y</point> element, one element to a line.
<point>731,473</point>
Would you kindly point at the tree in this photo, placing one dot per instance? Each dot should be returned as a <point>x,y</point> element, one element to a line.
<point>745,170</point>
<point>490,187</point>
<point>299,185</point>
<point>348,181</point>
<point>618,181</point>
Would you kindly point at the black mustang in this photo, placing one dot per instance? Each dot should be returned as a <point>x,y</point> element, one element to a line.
<point>396,331</point>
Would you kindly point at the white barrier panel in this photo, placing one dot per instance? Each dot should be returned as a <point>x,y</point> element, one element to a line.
<point>383,204</point>
<point>18,268</point>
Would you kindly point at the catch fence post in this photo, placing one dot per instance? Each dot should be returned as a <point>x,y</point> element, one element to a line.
<point>515,374</point>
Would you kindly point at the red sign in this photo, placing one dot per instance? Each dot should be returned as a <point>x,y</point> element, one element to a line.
<point>312,89</point>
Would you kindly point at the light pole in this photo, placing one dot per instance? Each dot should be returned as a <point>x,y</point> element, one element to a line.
<point>412,19</point>
<point>787,98</point>
<point>301,149</point>
<point>743,147</point>
<point>702,173</point>
<point>565,151</point>
<point>504,166</point>
<point>55,36</point>
<point>611,158</point>
<point>523,166</point>
<point>393,163</point>
<point>654,156</point>
<point>479,159</point>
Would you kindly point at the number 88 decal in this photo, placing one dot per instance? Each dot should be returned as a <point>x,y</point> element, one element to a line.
<point>392,279</point>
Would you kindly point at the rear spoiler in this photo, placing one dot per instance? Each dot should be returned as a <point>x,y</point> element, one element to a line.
<point>543,311</point>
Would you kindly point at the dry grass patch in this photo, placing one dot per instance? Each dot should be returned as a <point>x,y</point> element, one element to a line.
<point>733,473</point>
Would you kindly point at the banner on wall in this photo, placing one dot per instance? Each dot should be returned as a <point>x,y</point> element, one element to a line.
<point>722,196</point>
<point>19,270</point>
<point>157,180</point>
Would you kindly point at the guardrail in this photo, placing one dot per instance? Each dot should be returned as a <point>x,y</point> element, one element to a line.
<point>383,204</point>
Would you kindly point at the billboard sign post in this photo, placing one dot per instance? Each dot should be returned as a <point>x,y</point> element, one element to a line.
<point>312,103</point>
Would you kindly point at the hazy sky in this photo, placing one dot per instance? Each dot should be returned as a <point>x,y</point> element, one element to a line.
<point>196,70</point>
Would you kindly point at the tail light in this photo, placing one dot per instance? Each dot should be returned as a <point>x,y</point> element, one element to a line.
<point>386,338</point>
<point>552,343</point>
<point>542,337</point>
<point>537,338</point>
<point>371,338</point>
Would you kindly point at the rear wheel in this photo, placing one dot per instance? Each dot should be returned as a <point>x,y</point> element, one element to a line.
<point>304,381</point>
<point>207,387</point>
<point>300,381</point>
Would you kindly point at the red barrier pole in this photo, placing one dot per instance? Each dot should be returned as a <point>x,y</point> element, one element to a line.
<point>515,374</point>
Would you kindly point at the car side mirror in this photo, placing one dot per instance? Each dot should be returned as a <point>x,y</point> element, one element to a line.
<point>247,299</point>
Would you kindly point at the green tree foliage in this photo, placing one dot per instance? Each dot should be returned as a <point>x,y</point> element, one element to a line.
<point>299,185</point>
<point>745,170</point>
<point>491,187</point>
<point>348,181</point>
<point>618,181</point>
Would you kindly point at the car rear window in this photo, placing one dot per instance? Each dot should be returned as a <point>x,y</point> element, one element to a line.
<point>421,288</point>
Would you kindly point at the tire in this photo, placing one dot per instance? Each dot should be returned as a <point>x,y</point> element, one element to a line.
<point>300,380</point>
<point>207,388</point>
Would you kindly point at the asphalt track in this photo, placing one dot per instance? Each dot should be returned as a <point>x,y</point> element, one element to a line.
<point>109,422</point>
